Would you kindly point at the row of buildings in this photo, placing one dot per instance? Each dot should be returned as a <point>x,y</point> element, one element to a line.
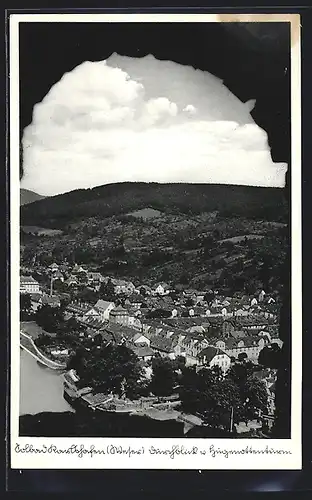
<point>203,326</point>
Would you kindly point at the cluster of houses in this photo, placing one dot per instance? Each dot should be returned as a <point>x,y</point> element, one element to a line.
<point>204,327</point>
<point>200,340</point>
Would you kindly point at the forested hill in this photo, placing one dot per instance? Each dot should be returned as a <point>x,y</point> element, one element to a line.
<point>27,196</point>
<point>121,198</point>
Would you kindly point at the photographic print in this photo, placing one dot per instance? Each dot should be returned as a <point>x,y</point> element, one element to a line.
<point>155,228</point>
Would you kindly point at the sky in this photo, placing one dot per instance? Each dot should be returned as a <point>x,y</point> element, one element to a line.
<point>142,119</point>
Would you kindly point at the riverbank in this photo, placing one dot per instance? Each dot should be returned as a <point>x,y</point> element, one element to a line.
<point>27,343</point>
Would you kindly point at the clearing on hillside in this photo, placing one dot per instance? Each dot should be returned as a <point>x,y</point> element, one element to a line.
<point>146,213</point>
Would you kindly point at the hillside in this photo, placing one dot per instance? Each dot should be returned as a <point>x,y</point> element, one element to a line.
<point>122,198</point>
<point>27,196</point>
<point>193,235</point>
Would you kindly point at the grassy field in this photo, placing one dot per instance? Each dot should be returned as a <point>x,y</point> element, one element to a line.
<point>146,213</point>
<point>41,231</point>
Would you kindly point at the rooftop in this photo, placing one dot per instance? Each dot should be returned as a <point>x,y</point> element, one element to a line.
<point>28,279</point>
<point>210,352</point>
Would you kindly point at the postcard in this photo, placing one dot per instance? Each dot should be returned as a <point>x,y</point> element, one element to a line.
<point>155,204</point>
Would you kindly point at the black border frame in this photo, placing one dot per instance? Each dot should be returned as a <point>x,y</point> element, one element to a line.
<point>189,481</point>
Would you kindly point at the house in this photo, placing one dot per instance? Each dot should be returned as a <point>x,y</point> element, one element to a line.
<point>163,346</point>
<point>228,326</point>
<point>53,267</point>
<point>29,285</point>
<point>191,346</point>
<point>93,312</point>
<point>241,312</point>
<point>104,308</point>
<point>271,300</point>
<point>190,294</point>
<point>136,300</point>
<point>143,353</point>
<point>76,309</point>
<point>93,325</point>
<point>134,321</point>
<point>71,281</point>
<point>251,346</point>
<point>82,278</point>
<point>200,297</point>
<point>174,312</point>
<point>162,288</point>
<point>111,333</point>
<point>261,296</point>
<point>79,269</point>
<point>123,287</point>
<point>119,315</point>
<point>139,338</point>
<point>95,278</point>
<point>223,311</point>
<point>254,322</point>
<point>213,356</point>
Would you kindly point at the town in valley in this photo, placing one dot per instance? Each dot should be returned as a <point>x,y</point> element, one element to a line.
<point>167,315</point>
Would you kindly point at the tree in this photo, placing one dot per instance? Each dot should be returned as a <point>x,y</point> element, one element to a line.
<point>174,295</point>
<point>107,291</point>
<point>270,356</point>
<point>25,306</point>
<point>159,313</point>
<point>256,398</point>
<point>189,302</point>
<point>179,362</point>
<point>111,368</point>
<point>76,360</point>
<point>164,377</point>
<point>72,325</point>
<point>50,318</point>
<point>209,296</point>
<point>87,295</point>
<point>208,394</point>
<point>252,392</point>
<point>242,356</point>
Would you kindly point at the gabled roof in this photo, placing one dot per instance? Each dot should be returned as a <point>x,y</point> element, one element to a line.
<point>211,352</point>
<point>138,335</point>
<point>119,311</point>
<point>103,304</point>
<point>136,298</point>
<point>161,344</point>
<point>77,307</point>
<point>28,279</point>
<point>163,284</point>
<point>141,352</point>
<point>231,343</point>
<point>95,275</point>
<point>92,322</point>
<point>238,334</point>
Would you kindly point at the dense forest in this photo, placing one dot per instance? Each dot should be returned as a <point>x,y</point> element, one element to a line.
<point>114,199</point>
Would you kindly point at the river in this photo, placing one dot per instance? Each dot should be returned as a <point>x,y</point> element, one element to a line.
<point>41,389</point>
